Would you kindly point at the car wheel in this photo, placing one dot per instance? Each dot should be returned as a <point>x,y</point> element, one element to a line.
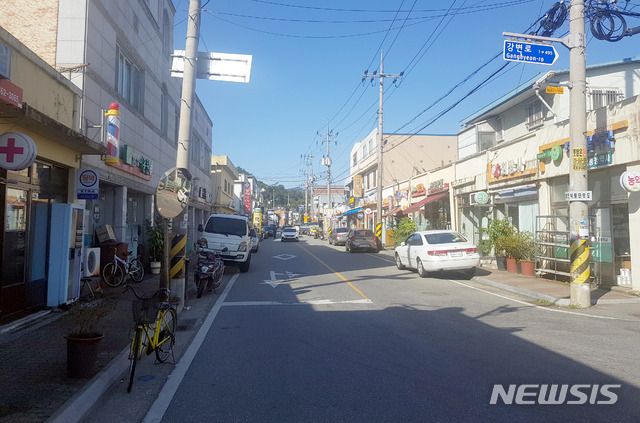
<point>421,272</point>
<point>244,267</point>
<point>399,264</point>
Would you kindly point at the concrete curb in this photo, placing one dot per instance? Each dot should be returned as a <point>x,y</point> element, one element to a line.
<point>79,405</point>
<point>521,291</point>
<point>562,302</point>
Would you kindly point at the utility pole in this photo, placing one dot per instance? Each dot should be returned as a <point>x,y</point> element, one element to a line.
<point>381,75</point>
<point>179,241</point>
<point>309,184</point>
<point>578,177</point>
<point>326,161</point>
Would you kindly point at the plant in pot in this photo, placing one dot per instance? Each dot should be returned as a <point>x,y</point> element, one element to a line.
<point>511,246</point>
<point>84,336</point>
<point>500,231</point>
<point>527,253</point>
<point>155,237</point>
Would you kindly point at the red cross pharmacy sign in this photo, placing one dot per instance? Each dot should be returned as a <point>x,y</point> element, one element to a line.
<point>17,151</point>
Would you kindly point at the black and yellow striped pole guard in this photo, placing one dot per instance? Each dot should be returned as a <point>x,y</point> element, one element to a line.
<point>178,252</point>
<point>329,232</point>
<point>379,230</point>
<point>579,257</point>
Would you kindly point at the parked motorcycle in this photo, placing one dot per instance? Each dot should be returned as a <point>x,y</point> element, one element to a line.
<point>209,269</point>
<point>319,234</point>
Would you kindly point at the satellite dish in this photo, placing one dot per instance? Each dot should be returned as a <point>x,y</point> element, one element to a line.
<point>173,192</point>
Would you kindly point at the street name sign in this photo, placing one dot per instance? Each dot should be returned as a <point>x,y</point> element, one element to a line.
<point>527,52</point>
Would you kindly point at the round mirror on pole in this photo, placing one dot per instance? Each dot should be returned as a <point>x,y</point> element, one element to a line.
<point>173,191</point>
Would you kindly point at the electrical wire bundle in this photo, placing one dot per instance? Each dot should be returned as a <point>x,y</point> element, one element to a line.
<point>608,21</point>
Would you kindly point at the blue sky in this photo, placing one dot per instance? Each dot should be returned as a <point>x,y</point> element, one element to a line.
<point>309,58</point>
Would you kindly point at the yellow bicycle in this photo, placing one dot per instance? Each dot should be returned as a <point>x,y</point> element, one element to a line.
<point>155,329</point>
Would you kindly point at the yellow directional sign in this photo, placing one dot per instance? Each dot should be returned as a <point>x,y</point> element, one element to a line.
<point>555,90</point>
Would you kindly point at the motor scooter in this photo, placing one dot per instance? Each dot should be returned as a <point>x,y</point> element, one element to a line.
<point>319,234</point>
<point>209,269</point>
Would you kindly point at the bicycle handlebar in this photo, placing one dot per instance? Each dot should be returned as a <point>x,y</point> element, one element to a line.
<point>159,292</point>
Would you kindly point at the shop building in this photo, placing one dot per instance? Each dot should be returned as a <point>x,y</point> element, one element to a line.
<point>41,153</point>
<point>515,163</point>
<point>223,176</point>
<point>119,53</point>
<point>404,156</point>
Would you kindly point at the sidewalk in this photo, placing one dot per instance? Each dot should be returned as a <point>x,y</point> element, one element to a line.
<point>33,375</point>
<point>34,386</point>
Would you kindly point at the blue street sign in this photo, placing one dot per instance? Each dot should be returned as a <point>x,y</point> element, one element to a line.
<point>522,51</point>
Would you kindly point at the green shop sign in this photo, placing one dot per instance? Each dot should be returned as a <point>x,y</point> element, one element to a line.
<point>555,153</point>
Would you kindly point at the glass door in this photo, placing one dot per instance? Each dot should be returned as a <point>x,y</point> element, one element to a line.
<point>602,246</point>
<point>14,250</point>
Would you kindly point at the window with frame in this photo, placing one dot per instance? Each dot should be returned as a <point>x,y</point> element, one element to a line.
<point>486,140</point>
<point>129,80</point>
<point>605,97</point>
<point>535,116</point>
<point>355,159</point>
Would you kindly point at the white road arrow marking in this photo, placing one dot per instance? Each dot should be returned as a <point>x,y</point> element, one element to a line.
<point>284,277</point>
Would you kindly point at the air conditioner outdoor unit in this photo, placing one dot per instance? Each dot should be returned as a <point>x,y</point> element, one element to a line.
<point>90,262</point>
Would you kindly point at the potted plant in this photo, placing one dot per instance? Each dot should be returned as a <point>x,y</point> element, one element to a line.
<point>155,238</point>
<point>84,336</point>
<point>527,253</point>
<point>510,245</point>
<point>500,230</point>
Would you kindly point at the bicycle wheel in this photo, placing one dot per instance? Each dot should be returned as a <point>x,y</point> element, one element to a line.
<point>134,355</point>
<point>112,274</point>
<point>136,270</point>
<point>167,338</point>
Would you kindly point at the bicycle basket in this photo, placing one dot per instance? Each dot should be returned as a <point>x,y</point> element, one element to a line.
<point>144,312</point>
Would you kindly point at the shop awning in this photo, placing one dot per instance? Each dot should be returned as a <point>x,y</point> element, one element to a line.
<point>352,211</point>
<point>415,207</point>
<point>393,211</point>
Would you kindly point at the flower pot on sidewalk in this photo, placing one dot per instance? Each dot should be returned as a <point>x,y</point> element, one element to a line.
<point>82,354</point>
<point>512,265</point>
<point>528,268</point>
<point>155,267</point>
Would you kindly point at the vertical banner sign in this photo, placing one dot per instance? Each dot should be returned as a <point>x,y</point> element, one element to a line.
<point>247,198</point>
<point>113,133</point>
<point>357,186</point>
<point>580,159</point>
<point>257,221</point>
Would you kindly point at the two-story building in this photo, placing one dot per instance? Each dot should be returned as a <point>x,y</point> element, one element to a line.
<point>404,157</point>
<point>119,53</point>
<point>41,152</point>
<point>515,163</point>
<point>223,177</point>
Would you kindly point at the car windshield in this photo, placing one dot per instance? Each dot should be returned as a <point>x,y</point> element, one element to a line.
<point>364,233</point>
<point>289,230</point>
<point>226,226</point>
<point>444,238</point>
<point>341,230</point>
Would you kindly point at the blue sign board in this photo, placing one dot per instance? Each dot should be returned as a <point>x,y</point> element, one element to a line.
<point>300,207</point>
<point>522,51</point>
<point>5,62</point>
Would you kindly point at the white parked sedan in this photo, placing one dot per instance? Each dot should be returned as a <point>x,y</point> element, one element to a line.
<point>434,251</point>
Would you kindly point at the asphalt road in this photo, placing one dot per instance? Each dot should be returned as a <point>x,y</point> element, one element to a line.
<point>313,333</point>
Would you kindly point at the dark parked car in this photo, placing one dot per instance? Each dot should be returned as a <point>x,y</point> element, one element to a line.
<point>361,239</point>
<point>338,236</point>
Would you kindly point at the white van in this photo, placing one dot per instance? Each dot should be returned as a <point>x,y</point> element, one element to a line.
<point>229,235</point>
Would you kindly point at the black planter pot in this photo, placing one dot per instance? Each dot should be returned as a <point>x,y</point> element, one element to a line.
<point>501,262</point>
<point>82,354</point>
